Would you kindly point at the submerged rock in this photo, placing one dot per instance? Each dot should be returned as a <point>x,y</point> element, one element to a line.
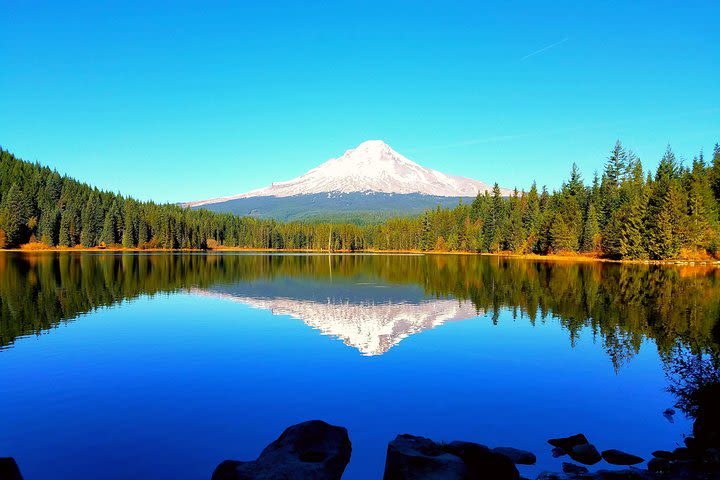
<point>585,453</point>
<point>411,457</point>
<point>669,415</point>
<point>9,469</point>
<point>628,474</point>
<point>519,457</point>
<point>567,443</point>
<point>573,469</point>
<point>312,449</point>
<point>617,457</point>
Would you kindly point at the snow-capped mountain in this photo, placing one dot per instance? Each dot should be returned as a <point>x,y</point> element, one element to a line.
<point>372,168</point>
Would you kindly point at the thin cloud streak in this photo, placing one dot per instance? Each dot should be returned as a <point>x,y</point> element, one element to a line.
<point>498,138</point>
<point>544,49</point>
<point>558,131</point>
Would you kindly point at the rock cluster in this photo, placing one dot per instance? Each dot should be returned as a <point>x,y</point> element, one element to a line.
<point>321,451</point>
<point>578,448</point>
<point>582,451</point>
<point>418,458</point>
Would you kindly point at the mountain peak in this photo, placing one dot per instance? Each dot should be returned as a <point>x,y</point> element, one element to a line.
<point>370,159</point>
<point>373,147</point>
<point>372,166</point>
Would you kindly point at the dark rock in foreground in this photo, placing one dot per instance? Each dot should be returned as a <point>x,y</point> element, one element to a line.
<point>483,463</point>
<point>558,452</point>
<point>567,443</point>
<point>312,449</point>
<point>585,453</point>
<point>519,457</point>
<point>410,457</point>
<point>419,458</point>
<point>617,457</point>
<point>629,474</point>
<point>9,469</point>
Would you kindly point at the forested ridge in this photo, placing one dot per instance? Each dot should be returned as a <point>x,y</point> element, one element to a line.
<point>625,212</point>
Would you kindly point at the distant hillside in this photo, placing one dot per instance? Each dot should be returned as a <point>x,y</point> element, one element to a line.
<point>358,208</point>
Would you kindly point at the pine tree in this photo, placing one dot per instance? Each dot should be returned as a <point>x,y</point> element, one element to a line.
<point>591,231</point>
<point>632,242</point>
<point>702,206</point>
<point>65,238</point>
<point>143,232</point>
<point>544,199</point>
<point>562,236</point>
<point>668,168</point>
<point>514,233</point>
<point>575,184</point>
<point>129,230</point>
<point>665,234</point>
<point>616,166</point>
<point>715,172</point>
<point>478,206</point>
<point>49,225</point>
<point>531,215</point>
<point>616,169</point>
<point>662,244</point>
<point>109,230</point>
<point>14,215</point>
<point>91,223</point>
<point>493,223</point>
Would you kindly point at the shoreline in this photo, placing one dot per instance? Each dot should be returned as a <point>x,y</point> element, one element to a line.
<point>583,258</point>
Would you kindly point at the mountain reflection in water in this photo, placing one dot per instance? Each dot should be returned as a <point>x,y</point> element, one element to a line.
<point>372,302</point>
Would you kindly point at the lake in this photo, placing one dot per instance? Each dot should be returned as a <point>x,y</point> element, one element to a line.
<point>121,366</point>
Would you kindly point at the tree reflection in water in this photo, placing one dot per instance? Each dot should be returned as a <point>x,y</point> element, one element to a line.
<point>620,305</point>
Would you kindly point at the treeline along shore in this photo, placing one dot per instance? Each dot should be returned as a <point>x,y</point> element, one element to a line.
<point>625,213</point>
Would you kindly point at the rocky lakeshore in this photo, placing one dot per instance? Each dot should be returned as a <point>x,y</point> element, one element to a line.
<point>317,450</point>
<point>320,451</point>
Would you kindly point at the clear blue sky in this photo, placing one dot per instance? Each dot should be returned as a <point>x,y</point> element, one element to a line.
<point>174,101</point>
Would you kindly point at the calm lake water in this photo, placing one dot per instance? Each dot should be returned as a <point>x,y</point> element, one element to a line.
<point>161,366</point>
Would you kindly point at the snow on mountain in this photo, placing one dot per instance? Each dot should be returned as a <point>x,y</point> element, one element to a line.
<point>371,328</point>
<point>373,166</point>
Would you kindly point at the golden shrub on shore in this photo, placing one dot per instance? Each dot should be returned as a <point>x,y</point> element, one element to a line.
<point>33,246</point>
